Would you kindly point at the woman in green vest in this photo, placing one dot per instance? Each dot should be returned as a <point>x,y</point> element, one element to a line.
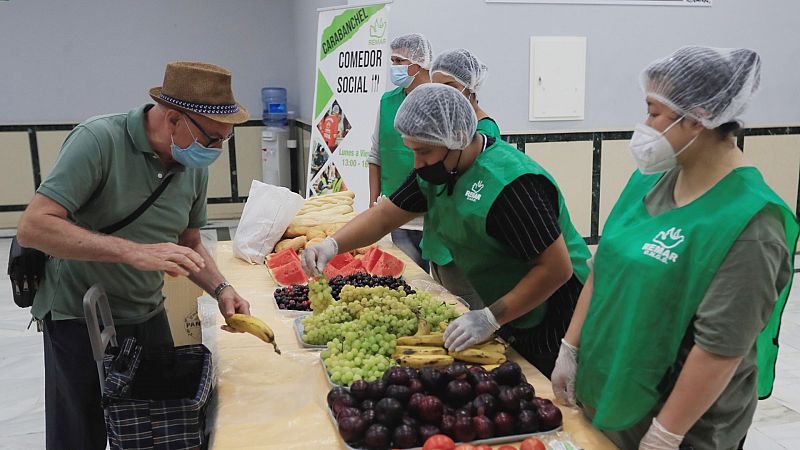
<point>675,334</point>
<point>498,213</point>
<point>389,160</point>
<point>461,70</point>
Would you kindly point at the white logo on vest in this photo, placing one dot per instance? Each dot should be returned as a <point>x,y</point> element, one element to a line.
<point>663,244</point>
<point>473,194</point>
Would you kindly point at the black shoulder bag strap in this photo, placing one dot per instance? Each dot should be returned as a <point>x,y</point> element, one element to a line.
<point>141,209</point>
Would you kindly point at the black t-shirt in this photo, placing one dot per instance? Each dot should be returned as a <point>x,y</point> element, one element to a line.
<point>524,216</point>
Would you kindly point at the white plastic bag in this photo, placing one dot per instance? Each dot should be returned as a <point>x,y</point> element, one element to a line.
<point>267,213</point>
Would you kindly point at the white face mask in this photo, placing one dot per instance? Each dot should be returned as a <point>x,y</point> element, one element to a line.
<point>652,151</point>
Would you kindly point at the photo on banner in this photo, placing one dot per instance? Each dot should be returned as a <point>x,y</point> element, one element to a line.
<point>334,126</point>
<point>352,62</point>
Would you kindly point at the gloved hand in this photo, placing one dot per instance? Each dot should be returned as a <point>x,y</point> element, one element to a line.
<point>563,376</point>
<point>315,258</point>
<point>470,329</point>
<point>658,438</point>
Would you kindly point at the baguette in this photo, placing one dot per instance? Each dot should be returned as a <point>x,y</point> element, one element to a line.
<point>329,211</point>
<point>316,233</point>
<point>296,231</point>
<point>322,220</point>
<point>296,244</point>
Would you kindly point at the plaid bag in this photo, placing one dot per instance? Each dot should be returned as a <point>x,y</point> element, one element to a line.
<point>156,399</point>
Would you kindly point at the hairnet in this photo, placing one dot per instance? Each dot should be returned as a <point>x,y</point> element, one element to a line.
<point>437,114</point>
<point>710,85</point>
<point>463,66</point>
<point>414,47</point>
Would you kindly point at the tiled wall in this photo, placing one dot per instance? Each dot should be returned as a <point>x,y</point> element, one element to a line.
<point>778,157</point>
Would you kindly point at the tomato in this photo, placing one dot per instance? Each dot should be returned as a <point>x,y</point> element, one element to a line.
<point>484,447</point>
<point>507,447</point>
<point>439,442</point>
<point>466,447</point>
<point>532,444</point>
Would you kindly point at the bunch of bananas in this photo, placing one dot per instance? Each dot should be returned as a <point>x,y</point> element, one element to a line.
<point>426,349</point>
<point>253,325</point>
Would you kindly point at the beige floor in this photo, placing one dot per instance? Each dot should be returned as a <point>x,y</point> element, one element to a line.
<point>776,426</point>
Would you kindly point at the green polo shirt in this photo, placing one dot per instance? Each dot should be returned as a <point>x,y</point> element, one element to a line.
<point>105,170</point>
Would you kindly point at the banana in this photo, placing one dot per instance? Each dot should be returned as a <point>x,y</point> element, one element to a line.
<point>479,356</point>
<point>433,339</point>
<point>254,326</point>
<point>442,326</point>
<point>422,361</point>
<point>490,367</point>
<point>491,346</point>
<point>418,350</point>
<point>423,327</point>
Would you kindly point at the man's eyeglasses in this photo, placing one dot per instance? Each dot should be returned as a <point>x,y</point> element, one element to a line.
<point>212,141</point>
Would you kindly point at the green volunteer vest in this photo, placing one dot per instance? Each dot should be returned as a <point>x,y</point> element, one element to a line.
<point>397,160</point>
<point>651,273</point>
<point>432,249</point>
<point>459,222</point>
<point>488,127</point>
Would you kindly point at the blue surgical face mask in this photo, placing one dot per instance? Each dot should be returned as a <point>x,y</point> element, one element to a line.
<point>195,156</point>
<point>399,75</point>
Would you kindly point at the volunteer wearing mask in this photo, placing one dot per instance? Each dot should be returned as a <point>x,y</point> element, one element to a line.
<point>464,71</point>
<point>389,160</point>
<point>461,70</point>
<point>694,262</point>
<point>499,214</point>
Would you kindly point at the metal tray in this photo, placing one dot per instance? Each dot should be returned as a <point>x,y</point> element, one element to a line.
<point>288,312</point>
<point>298,331</point>
<point>491,441</point>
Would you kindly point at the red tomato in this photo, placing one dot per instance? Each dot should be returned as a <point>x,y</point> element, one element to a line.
<point>532,444</point>
<point>466,447</point>
<point>507,447</point>
<point>439,442</point>
<point>484,447</point>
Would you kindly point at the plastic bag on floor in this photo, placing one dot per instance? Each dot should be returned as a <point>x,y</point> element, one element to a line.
<point>267,213</point>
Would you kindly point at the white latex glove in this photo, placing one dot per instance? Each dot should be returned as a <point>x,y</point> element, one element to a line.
<point>470,329</point>
<point>315,258</point>
<point>563,376</point>
<point>658,438</point>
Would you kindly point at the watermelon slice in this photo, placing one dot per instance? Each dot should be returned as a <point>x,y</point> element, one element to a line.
<point>290,273</point>
<point>387,265</point>
<point>371,257</point>
<point>337,263</point>
<point>278,259</point>
<point>355,266</point>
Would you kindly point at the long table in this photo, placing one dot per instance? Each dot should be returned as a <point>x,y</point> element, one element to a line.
<point>269,401</point>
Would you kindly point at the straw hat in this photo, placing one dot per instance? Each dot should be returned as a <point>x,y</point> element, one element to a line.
<point>200,88</point>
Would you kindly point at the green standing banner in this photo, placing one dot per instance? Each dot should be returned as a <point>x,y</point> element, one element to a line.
<point>352,58</point>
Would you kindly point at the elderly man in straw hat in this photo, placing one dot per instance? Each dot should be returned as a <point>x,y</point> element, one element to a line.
<point>107,168</point>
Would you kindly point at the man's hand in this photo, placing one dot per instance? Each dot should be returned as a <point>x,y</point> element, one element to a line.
<point>315,258</point>
<point>659,438</point>
<point>563,377</point>
<point>471,328</point>
<point>231,302</point>
<point>171,258</point>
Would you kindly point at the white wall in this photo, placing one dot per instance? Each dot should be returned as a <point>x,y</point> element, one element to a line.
<point>63,62</point>
<point>304,27</point>
<point>621,41</point>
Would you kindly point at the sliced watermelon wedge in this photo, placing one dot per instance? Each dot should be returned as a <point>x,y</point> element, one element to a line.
<point>337,263</point>
<point>290,273</point>
<point>355,266</point>
<point>387,265</point>
<point>278,259</point>
<point>371,257</point>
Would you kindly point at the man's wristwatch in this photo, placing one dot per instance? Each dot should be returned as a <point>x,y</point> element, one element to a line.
<point>218,290</point>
